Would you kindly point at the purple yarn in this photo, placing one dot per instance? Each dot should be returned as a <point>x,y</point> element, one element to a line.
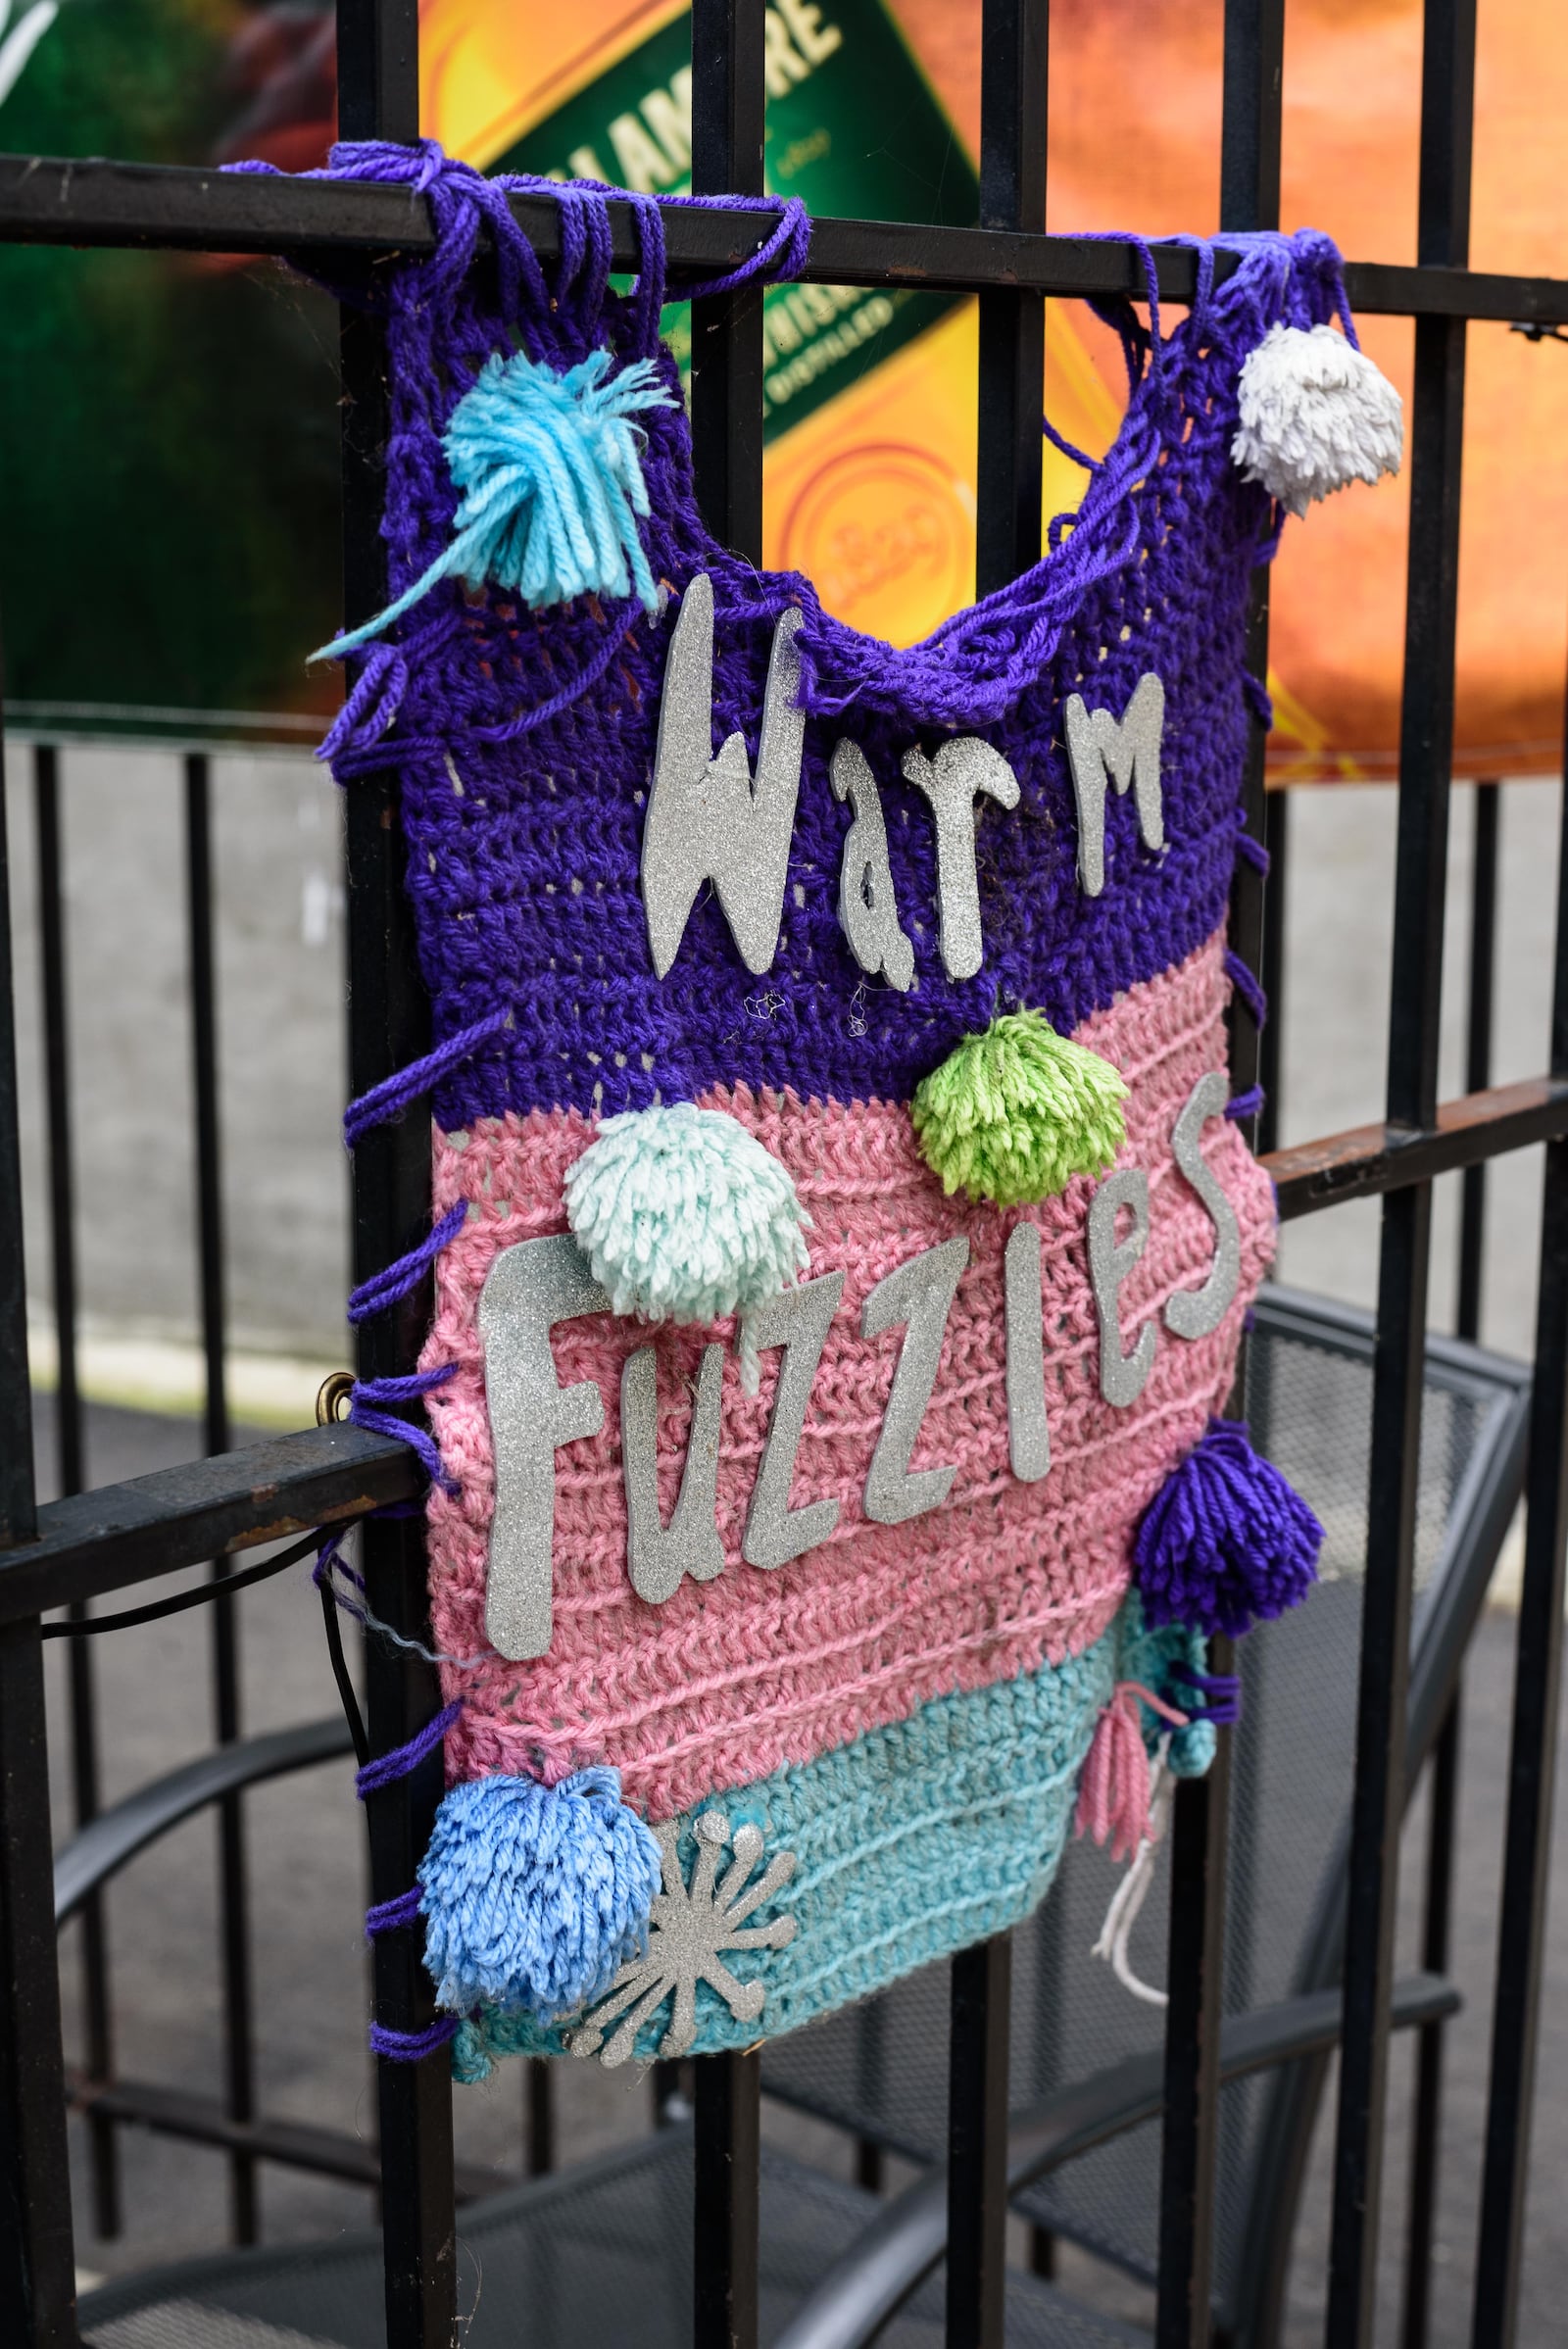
<point>1225,1541</point>
<point>386,1101</point>
<point>1258,700</point>
<point>387,1768</point>
<point>1243,1105</point>
<point>366,1401</point>
<point>783,255</point>
<point>1221,1693</point>
<point>397,1278</point>
<point>388,1916</point>
<point>370,704</point>
<point>1252,853</point>
<point>413,2046</point>
<point>1247,987</point>
<point>525,877</point>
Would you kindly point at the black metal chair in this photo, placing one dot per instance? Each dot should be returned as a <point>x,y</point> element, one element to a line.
<point>880,2070</point>
<point>600,2254</point>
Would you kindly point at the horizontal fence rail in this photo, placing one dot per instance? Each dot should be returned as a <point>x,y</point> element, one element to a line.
<point>182,208</point>
<point>94,1543</point>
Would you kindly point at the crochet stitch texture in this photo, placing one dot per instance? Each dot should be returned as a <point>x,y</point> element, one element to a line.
<point>929,1834</point>
<point>905,1706</point>
<point>733,1678</point>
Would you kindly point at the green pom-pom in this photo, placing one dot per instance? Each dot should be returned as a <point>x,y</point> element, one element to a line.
<point>1013,1115</point>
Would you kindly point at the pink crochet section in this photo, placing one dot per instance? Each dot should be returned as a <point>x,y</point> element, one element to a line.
<point>734,1678</point>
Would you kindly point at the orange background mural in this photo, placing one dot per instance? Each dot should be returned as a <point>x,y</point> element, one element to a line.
<point>1135,133</point>
<point>873,493</point>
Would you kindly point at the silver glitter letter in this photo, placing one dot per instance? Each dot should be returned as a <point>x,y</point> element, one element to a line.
<point>950,782</point>
<point>1111,1260</point>
<point>1196,1312</point>
<point>869,910</point>
<point>920,1293</point>
<point>1028,1435</point>
<point>657,1555</point>
<point>706,820</point>
<point>1102,750</point>
<point>527,1290</point>
<point>797,1320</point>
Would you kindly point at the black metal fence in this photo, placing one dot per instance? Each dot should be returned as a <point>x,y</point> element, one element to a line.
<point>89,1545</point>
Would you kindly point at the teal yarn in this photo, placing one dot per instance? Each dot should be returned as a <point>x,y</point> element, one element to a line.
<point>911,1841</point>
<point>534,1895</point>
<point>550,468</point>
<point>684,1216</point>
<point>1150,1655</point>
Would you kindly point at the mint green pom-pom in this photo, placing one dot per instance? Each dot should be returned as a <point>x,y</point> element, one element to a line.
<point>684,1216</point>
<point>1013,1114</point>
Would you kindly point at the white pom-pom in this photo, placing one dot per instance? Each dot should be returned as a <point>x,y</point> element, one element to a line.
<point>684,1216</point>
<point>1315,414</point>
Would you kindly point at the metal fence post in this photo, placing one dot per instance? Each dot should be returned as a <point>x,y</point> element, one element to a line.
<point>389,1026</point>
<point>1426,752</point>
<point>728,128</point>
<point>37,2263</point>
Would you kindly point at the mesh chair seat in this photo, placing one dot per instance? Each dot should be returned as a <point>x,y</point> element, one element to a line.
<point>598,2257</point>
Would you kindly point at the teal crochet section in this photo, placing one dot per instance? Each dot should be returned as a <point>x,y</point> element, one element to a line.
<point>910,1842</point>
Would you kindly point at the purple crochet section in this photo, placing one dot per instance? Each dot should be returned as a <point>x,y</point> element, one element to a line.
<point>524,741</point>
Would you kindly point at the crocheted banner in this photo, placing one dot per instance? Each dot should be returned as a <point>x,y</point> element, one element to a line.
<point>843,1230</point>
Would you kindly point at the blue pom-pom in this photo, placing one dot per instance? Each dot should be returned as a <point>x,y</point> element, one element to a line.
<point>684,1215</point>
<point>534,1895</point>
<point>1225,1542</point>
<point>550,468</point>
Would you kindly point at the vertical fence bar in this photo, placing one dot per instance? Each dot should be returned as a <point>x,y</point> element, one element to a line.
<point>977,2145</point>
<point>538,2117</point>
<point>1427,2125</point>
<point>729,104</point>
<point>82,1675</point>
<point>1015,107</point>
<point>729,100</point>
<point>234,1944</point>
<point>727,2151</point>
<point>37,2266</point>
<point>377,48</point>
<point>1538,1668</point>
<point>58,1112</point>
<point>1426,745</point>
<point>1249,199</point>
<point>1271,1044</point>
<point>1438,1895</point>
<point>1478,1043</point>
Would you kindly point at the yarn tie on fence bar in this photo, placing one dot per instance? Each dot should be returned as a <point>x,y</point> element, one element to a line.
<point>544,449</point>
<point>372,1778</point>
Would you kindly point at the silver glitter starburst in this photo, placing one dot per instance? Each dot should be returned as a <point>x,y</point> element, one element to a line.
<point>689,1928</point>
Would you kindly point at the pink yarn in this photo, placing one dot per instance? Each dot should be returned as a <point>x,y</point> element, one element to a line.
<point>735,1678</point>
<point>1114,1792</point>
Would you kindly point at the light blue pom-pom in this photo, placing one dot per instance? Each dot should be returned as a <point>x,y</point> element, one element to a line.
<point>534,1895</point>
<point>550,468</point>
<point>684,1216</point>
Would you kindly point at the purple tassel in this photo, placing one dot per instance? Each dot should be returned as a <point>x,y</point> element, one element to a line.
<point>1225,1541</point>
